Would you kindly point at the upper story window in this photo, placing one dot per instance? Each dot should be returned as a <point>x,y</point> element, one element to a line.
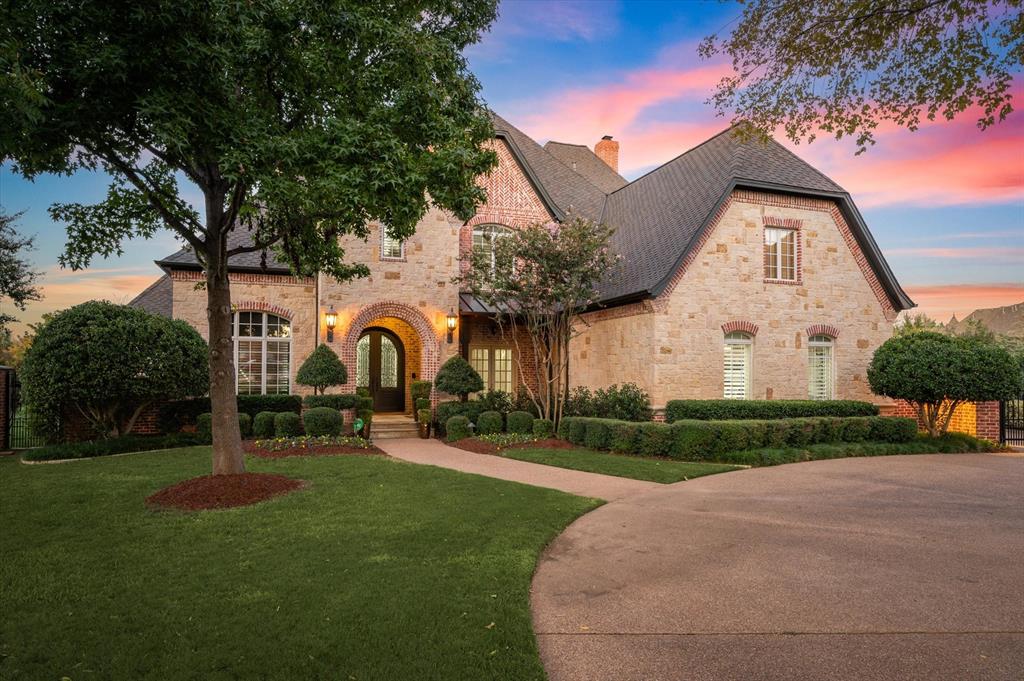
<point>485,239</point>
<point>780,254</point>
<point>263,349</point>
<point>737,369</point>
<point>390,247</point>
<point>820,373</point>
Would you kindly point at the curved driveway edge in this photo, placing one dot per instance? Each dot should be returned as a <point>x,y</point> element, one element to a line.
<point>907,567</point>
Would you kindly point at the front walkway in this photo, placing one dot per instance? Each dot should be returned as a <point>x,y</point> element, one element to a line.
<point>435,453</point>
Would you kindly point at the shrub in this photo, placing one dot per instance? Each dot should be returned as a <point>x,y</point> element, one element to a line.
<point>543,428</point>
<point>108,447</point>
<point>520,422</point>
<point>445,410</point>
<point>495,400</point>
<point>572,429</point>
<point>339,402</point>
<point>364,403</point>
<point>422,403</point>
<point>627,402</point>
<point>423,415</point>
<point>254,404</point>
<point>624,436</point>
<point>457,428</point>
<point>579,403</point>
<point>287,424</point>
<point>109,363</point>
<point>723,410</point>
<point>855,430</point>
<point>893,429</point>
<point>937,373</point>
<point>457,377</point>
<point>420,390</point>
<point>694,440</point>
<point>320,421</point>
<point>488,423</point>
<point>523,402</point>
<point>597,433</point>
<point>263,425</point>
<point>204,426</point>
<point>321,370</point>
<point>245,426</point>
<point>654,439</point>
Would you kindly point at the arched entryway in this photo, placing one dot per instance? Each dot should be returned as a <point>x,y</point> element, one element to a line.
<point>380,367</point>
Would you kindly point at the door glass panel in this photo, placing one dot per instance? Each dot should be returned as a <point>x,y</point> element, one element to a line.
<point>363,362</point>
<point>388,363</point>
<point>479,360</point>
<point>503,369</point>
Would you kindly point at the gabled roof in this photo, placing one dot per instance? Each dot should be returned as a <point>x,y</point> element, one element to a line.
<point>243,262</point>
<point>157,298</point>
<point>580,158</point>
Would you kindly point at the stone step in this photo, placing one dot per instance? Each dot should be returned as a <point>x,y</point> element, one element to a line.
<point>376,434</point>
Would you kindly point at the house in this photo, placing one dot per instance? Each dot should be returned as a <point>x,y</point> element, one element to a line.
<point>745,273</point>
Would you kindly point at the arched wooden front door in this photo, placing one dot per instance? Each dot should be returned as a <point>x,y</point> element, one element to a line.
<point>380,366</point>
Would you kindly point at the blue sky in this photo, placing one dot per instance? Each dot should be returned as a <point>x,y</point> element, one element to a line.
<point>945,203</point>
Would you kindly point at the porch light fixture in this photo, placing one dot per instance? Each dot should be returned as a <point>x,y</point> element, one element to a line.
<point>332,320</point>
<point>450,321</point>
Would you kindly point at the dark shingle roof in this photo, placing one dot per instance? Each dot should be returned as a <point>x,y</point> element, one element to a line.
<point>157,298</point>
<point>580,158</point>
<point>239,236</point>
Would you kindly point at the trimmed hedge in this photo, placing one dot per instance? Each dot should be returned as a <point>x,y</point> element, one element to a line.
<point>445,410</point>
<point>489,422</point>
<point>204,426</point>
<point>457,428</point>
<point>520,422</point>
<point>320,421</point>
<point>727,410</point>
<point>951,443</point>
<point>338,402</point>
<point>287,424</point>
<point>178,413</point>
<point>709,440</point>
<point>263,425</point>
<point>245,425</point>
<point>117,445</point>
<point>543,428</point>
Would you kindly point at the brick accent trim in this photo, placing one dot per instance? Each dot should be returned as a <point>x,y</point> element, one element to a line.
<point>785,223</point>
<point>796,225</point>
<point>260,306</point>
<point>244,278</point>
<point>744,326</point>
<point>823,330</point>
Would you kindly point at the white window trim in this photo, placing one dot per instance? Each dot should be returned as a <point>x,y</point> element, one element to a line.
<point>743,339</point>
<point>491,371</point>
<point>823,341</point>
<point>383,244</point>
<point>778,253</point>
<point>262,339</point>
<point>494,232</point>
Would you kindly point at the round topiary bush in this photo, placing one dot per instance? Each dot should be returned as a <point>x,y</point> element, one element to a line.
<point>321,370</point>
<point>204,426</point>
<point>520,422</point>
<point>263,424</point>
<point>322,421</point>
<point>457,377</point>
<point>543,428</point>
<point>457,428</point>
<point>287,424</point>
<point>245,425</point>
<point>489,423</point>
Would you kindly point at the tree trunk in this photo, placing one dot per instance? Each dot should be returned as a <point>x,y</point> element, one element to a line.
<point>227,438</point>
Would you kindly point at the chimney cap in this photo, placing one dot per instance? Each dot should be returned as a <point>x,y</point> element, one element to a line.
<point>607,137</point>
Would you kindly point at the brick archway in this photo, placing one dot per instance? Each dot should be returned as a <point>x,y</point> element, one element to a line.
<point>260,306</point>
<point>740,325</point>
<point>430,343</point>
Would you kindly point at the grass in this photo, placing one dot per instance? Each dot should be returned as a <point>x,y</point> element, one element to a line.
<point>378,570</point>
<point>636,467</point>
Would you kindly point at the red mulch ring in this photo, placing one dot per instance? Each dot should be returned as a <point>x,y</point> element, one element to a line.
<point>325,450</point>
<point>471,444</point>
<point>223,491</point>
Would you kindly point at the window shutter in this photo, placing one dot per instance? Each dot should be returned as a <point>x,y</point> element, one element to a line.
<point>819,372</point>
<point>737,371</point>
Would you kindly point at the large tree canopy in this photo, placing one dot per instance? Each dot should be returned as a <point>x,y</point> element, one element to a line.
<point>300,120</point>
<point>844,66</point>
<point>17,276</point>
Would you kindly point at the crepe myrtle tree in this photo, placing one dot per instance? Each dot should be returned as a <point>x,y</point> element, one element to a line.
<point>540,278</point>
<point>298,121</point>
<point>108,363</point>
<point>321,370</point>
<point>938,373</point>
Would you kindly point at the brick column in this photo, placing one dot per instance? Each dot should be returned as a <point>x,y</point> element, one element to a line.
<point>987,420</point>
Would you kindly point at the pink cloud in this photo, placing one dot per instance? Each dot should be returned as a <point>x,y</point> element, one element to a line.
<point>943,301</point>
<point>970,253</point>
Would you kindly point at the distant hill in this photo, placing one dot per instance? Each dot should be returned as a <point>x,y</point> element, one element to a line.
<point>1007,320</point>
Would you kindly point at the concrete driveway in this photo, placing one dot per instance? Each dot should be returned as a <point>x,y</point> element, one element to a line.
<point>883,568</point>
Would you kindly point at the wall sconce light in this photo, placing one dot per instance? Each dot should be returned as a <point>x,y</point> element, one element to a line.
<point>332,320</point>
<point>450,321</point>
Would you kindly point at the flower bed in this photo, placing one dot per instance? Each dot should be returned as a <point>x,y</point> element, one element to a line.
<point>496,442</point>
<point>307,445</point>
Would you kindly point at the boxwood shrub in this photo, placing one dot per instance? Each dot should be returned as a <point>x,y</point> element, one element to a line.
<point>723,410</point>
<point>320,421</point>
<point>338,402</point>
<point>117,445</point>
<point>573,429</point>
<point>263,425</point>
<point>457,428</point>
<point>287,424</point>
<point>178,413</point>
<point>597,433</point>
<point>489,422</point>
<point>245,425</point>
<point>543,428</point>
<point>624,436</point>
<point>204,426</point>
<point>520,422</point>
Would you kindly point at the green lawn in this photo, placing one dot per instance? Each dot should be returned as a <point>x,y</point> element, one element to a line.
<point>636,467</point>
<point>378,570</point>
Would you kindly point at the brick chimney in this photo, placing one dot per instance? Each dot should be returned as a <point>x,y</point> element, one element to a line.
<point>608,151</point>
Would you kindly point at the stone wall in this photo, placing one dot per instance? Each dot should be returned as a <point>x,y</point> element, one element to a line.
<point>673,346</point>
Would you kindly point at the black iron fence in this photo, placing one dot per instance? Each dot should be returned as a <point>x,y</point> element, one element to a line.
<point>22,431</point>
<point>1011,421</point>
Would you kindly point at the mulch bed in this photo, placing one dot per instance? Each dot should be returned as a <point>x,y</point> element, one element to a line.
<point>325,450</point>
<point>223,491</point>
<point>471,444</point>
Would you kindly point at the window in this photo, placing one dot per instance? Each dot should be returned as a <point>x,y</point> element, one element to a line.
<point>494,366</point>
<point>780,254</point>
<point>485,238</point>
<point>819,368</point>
<point>390,248</point>
<point>263,348</point>
<point>737,365</point>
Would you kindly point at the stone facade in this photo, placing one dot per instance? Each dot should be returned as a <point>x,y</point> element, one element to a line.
<point>673,346</point>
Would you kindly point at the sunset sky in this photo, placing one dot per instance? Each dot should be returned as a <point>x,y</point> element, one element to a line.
<point>945,203</point>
